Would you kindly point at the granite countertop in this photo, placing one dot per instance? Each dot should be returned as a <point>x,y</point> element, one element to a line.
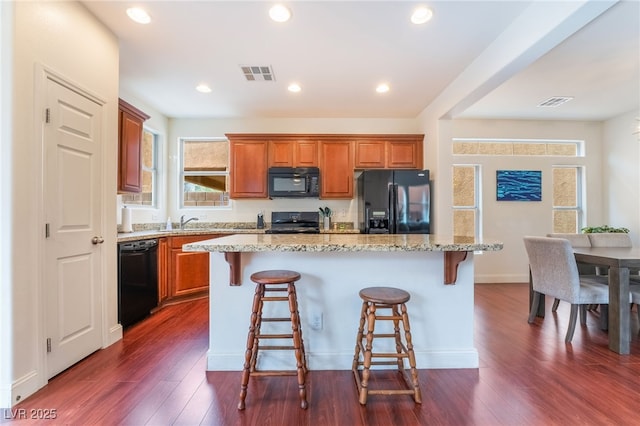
<point>157,233</point>
<point>342,242</point>
<point>150,233</point>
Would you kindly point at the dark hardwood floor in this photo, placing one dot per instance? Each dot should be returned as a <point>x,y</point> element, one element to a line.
<point>527,376</point>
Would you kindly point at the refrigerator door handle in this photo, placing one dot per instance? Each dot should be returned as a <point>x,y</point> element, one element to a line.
<point>366,220</point>
<point>393,211</point>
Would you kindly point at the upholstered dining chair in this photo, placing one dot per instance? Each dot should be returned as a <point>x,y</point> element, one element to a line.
<point>554,273</point>
<point>613,239</point>
<point>610,239</point>
<point>576,240</point>
<point>635,297</point>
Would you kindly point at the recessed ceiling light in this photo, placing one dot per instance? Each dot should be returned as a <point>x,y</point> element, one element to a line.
<point>294,87</point>
<point>421,15</point>
<point>382,88</point>
<point>280,13</point>
<point>203,88</point>
<point>138,15</point>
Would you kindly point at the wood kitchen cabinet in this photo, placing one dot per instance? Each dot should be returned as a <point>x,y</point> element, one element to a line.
<point>163,270</point>
<point>293,153</point>
<point>389,152</point>
<point>370,154</point>
<point>248,167</point>
<point>336,169</point>
<point>130,122</point>
<point>188,271</point>
<point>405,154</point>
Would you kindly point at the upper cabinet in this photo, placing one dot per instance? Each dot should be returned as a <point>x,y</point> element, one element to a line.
<point>248,166</point>
<point>389,152</point>
<point>130,122</point>
<point>336,155</point>
<point>293,153</point>
<point>405,154</point>
<point>370,154</point>
<point>336,169</point>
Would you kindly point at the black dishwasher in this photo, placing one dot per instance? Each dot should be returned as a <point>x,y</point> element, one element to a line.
<point>137,280</point>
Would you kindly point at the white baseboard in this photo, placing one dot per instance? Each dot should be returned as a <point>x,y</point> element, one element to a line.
<point>25,386</point>
<point>511,278</point>
<point>114,335</point>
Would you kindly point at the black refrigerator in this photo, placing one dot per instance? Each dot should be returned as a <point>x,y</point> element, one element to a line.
<point>394,202</point>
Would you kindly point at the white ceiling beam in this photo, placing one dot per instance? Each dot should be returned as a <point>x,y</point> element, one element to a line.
<point>539,29</point>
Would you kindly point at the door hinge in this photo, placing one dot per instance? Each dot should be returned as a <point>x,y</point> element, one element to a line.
<point>47,234</point>
<point>47,115</point>
<point>48,344</point>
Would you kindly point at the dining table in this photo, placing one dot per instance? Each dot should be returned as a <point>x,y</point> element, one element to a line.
<point>618,261</point>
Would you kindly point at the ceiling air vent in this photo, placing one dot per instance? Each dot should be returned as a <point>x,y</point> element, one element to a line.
<point>258,73</point>
<point>555,101</point>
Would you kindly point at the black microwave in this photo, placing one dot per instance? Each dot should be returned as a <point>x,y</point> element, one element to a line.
<point>294,182</point>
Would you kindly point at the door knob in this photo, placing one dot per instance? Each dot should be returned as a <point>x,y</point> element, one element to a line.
<point>97,240</point>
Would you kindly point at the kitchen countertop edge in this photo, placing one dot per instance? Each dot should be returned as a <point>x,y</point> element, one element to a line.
<point>344,243</point>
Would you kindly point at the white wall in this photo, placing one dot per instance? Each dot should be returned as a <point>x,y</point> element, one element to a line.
<point>621,173</point>
<point>66,39</point>
<point>6,232</point>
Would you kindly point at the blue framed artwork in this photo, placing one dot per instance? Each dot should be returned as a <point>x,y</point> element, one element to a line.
<point>518,185</point>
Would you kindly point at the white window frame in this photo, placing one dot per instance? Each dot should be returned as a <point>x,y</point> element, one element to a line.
<point>153,170</point>
<point>182,173</point>
<point>580,194</point>
<point>477,201</point>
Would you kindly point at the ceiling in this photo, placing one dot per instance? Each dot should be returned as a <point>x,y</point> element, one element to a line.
<point>473,57</point>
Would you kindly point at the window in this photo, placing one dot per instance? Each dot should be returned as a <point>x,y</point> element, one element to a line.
<point>567,199</point>
<point>147,197</point>
<point>204,174</point>
<point>466,200</point>
<point>525,147</point>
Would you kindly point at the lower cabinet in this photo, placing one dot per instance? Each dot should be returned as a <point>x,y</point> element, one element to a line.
<point>186,274</point>
<point>163,270</point>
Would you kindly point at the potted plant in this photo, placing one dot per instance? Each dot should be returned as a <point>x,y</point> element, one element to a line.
<point>604,229</point>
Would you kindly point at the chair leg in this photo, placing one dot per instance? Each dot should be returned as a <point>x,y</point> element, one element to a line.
<point>371,320</point>
<point>572,323</point>
<point>604,317</point>
<point>556,302</point>
<point>356,357</point>
<point>534,306</point>
<point>298,345</point>
<point>417,395</point>
<point>583,314</point>
<point>252,345</point>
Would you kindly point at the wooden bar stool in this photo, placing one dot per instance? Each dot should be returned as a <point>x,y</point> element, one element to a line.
<point>269,283</point>
<point>376,299</point>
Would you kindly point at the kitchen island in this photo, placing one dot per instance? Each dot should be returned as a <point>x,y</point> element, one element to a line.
<point>437,271</point>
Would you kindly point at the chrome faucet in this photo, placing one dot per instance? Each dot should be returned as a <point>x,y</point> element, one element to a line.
<point>184,222</point>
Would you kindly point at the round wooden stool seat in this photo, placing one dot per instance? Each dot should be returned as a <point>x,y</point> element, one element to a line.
<point>275,276</point>
<point>386,295</point>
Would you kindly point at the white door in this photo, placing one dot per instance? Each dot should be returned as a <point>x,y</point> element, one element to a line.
<point>72,211</point>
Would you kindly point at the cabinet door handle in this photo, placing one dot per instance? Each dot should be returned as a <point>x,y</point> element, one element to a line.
<point>97,240</point>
